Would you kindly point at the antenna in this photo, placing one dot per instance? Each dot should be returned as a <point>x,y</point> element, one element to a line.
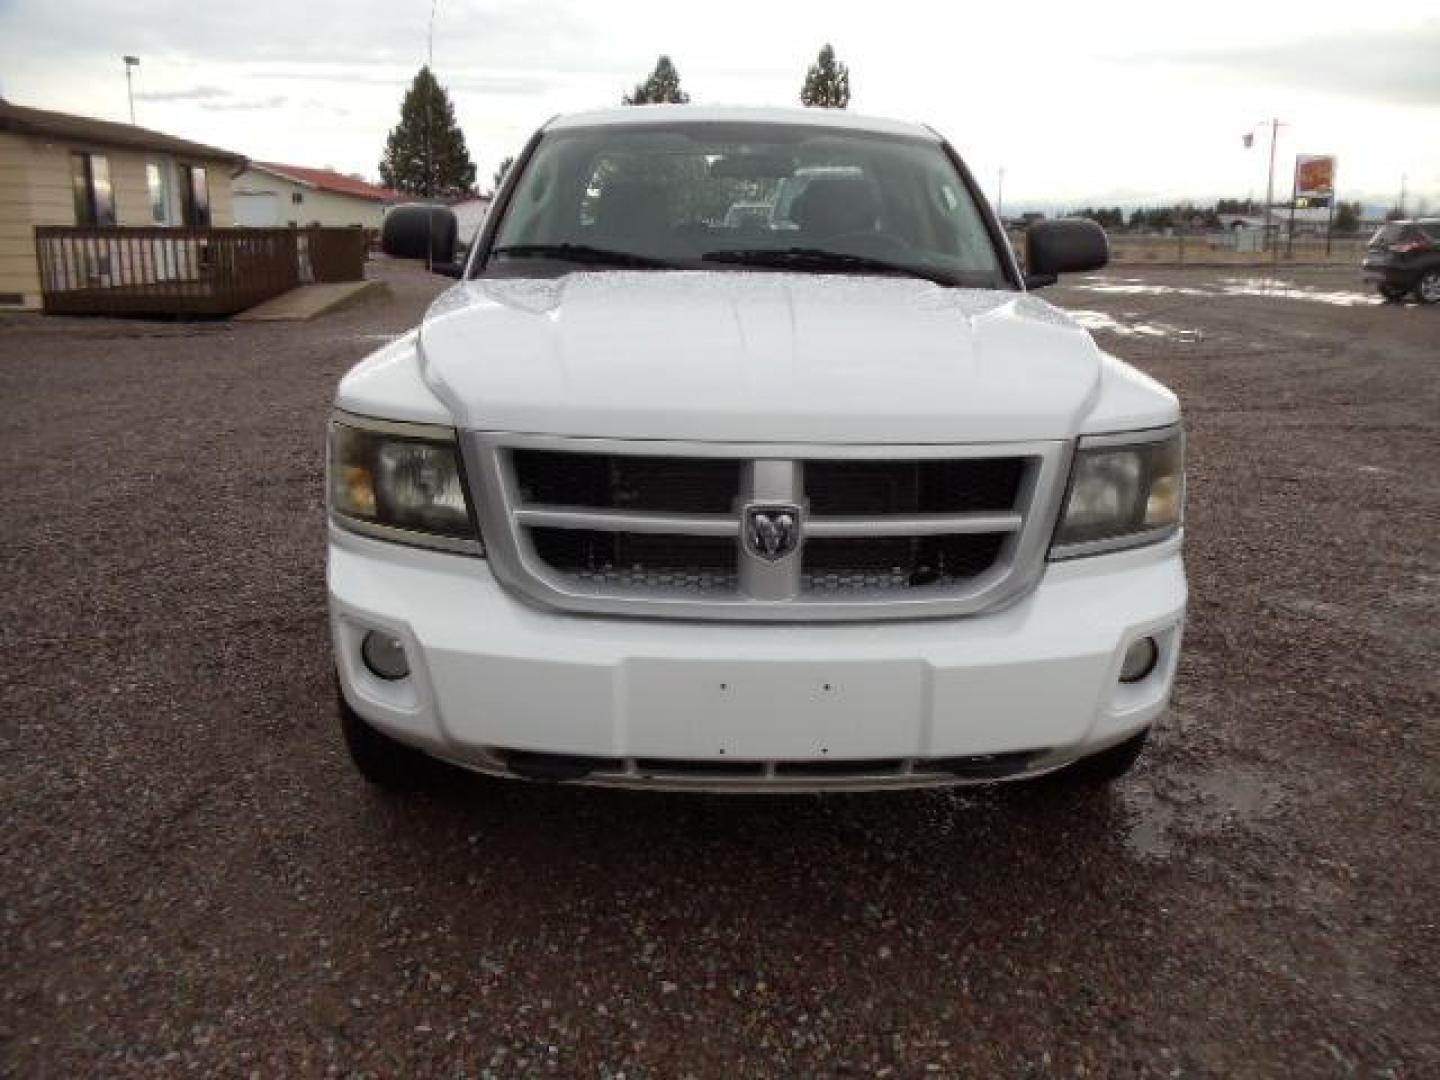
<point>429,147</point>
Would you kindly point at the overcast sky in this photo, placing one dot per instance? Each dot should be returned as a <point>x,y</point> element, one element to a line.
<point>1098,102</point>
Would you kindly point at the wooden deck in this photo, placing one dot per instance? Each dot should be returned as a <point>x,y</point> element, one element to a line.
<point>186,272</point>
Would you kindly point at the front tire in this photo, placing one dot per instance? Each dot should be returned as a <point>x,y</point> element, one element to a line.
<point>1427,289</point>
<point>1107,766</point>
<point>381,760</point>
<point>1393,293</point>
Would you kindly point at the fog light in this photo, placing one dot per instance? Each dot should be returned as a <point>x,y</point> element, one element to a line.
<point>384,655</point>
<point>1140,660</point>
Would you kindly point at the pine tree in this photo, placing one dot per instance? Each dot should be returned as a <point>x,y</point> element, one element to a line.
<point>661,88</point>
<point>1347,217</point>
<point>425,153</point>
<point>827,83</point>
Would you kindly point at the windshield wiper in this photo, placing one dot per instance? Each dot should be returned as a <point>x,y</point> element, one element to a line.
<point>582,253</point>
<point>804,258</point>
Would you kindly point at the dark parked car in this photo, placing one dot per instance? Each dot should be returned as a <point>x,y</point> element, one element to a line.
<point>1404,257</point>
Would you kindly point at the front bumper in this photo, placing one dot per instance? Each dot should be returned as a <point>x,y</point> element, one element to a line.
<point>503,687</point>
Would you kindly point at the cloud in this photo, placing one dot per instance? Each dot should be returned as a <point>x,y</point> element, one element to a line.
<point>1400,66</point>
<point>355,32</point>
<point>191,93</point>
<point>505,83</point>
<point>272,102</point>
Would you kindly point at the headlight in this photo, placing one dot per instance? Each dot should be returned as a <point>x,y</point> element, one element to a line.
<point>1125,490</point>
<point>400,482</point>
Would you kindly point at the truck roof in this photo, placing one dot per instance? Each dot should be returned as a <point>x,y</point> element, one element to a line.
<point>637,115</point>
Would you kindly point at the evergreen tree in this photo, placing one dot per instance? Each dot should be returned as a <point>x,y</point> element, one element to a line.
<point>1347,217</point>
<point>425,153</point>
<point>661,88</point>
<point>827,83</point>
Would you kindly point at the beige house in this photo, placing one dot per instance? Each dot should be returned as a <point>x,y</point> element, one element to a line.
<point>269,195</point>
<point>60,169</point>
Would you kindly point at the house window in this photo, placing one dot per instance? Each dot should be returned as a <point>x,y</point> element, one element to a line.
<point>94,196</point>
<point>296,198</point>
<point>157,180</point>
<point>196,196</point>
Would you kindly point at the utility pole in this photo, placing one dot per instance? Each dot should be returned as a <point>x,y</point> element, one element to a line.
<point>429,150</point>
<point>430,38</point>
<point>430,68</point>
<point>1000,197</point>
<point>1294,198</point>
<point>1270,237</point>
<point>131,62</point>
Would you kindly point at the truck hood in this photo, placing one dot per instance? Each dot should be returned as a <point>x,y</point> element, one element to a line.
<point>757,357</point>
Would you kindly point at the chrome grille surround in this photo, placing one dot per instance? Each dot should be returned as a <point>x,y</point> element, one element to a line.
<point>762,590</point>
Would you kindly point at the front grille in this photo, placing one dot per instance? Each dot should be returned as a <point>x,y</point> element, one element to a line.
<point>627,482</point>
<point>899,562</point>
<point>660,528</point>
<point>631,561</point>
<point>913,487</point>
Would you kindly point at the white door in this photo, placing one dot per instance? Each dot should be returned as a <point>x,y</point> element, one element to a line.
<point>257,209</point>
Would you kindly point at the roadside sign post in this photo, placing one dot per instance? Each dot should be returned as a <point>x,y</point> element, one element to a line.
<point>1314,189</point>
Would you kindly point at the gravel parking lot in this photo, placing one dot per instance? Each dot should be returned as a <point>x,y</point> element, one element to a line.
<point>194,881</point>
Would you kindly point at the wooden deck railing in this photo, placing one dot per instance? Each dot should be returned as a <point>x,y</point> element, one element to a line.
<point>162,271</point>
<point>335,254</point>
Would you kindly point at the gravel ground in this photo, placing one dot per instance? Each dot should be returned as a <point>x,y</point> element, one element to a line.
<point>194,881</point>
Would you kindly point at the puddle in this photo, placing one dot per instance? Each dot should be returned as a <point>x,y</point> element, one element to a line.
<point>1306,605</point>
<point>1204,805</point>
<point>1269,287</point>
<point>1231,795</point>
<point>1129,324</point>
<point>1139,288</point>
<point>1150,832</point>
<point>1234,286</point>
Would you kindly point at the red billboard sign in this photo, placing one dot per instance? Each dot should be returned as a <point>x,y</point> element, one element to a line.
<point>1314,179</point>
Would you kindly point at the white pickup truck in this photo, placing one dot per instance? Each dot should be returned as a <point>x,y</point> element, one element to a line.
<point>663,496</point>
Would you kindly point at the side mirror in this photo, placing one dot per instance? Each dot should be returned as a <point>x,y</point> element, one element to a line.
<point>1065,246</point>
<point>420,231</point>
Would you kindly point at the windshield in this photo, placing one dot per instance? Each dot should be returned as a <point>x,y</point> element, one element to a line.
<point>725,196</point>
<point>1392,233</point>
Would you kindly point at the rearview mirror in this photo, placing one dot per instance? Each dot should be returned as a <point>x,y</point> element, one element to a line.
<point>758,166</point>
<point>1064,246</point>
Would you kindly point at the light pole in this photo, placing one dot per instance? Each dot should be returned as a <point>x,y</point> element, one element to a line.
<point>1000,197</point>
<point>131,62</point>
<point>1275,126</point>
